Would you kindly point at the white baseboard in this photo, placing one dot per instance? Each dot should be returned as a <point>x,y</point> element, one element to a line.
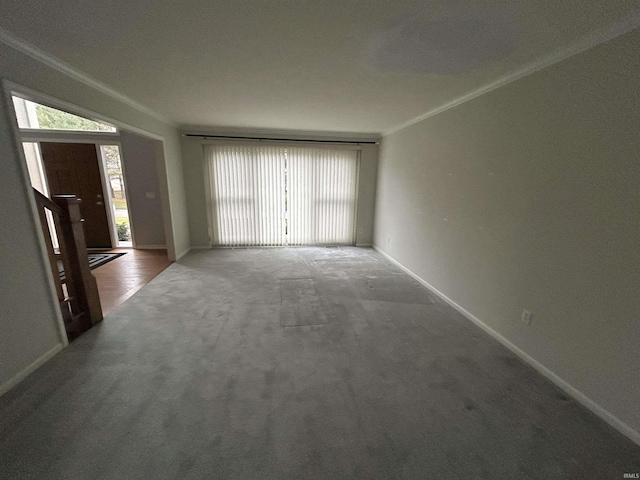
<point>201,247</point>
<point>363,245</point>
<point>178,257</point>
<point>607,416</point>
<point>151,247</point>
<point>25,372</point>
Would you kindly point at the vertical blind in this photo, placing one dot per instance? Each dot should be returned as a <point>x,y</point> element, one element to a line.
<point>248,185</point>
<point>321,195</point>
<point>277,195</point>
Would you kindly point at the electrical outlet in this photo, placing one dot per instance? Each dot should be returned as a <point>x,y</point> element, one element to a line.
<point>526,317</point>
<point>388,240</point>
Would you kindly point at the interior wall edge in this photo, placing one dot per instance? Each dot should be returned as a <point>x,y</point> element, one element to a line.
<point>584,43</point>
<point>37,325</point>
<point>565,386</point>
<point>183,253</point>
<point>29,369</point>
<point>125,130</point>
<point>35,221</point>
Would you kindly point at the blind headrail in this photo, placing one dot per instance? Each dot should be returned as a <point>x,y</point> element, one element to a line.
<point>274,139</point>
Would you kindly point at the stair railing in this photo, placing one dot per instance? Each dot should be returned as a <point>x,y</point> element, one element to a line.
<point>78,293</point>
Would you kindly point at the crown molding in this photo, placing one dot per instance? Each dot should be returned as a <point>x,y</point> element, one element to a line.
<point>34,52</point>
<point>586,42</point>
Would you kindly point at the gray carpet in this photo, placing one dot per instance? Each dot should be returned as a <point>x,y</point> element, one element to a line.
<point>295,364</point>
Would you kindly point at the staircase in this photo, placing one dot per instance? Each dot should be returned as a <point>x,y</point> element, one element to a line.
<point>78,296</point>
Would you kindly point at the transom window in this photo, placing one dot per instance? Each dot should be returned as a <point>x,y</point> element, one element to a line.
<point>32,115</point>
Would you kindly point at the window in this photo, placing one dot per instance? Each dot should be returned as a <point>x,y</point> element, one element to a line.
<point>276,195</point>
<point>37,116</point>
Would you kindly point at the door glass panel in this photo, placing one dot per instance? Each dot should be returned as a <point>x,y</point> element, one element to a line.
<point>111,156</point>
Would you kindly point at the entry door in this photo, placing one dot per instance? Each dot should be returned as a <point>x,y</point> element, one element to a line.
<point>72,168</point>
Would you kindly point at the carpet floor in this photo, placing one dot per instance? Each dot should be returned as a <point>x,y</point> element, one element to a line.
<point>301,363</point>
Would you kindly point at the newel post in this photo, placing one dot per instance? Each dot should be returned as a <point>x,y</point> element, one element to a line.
<point>81,284</point>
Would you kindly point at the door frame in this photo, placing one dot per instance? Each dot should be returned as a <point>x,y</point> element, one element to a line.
<point>9,88</point>
<point>71,137</point>
<point>106,138</point>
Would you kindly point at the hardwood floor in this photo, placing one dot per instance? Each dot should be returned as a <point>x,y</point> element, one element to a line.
<point>124,276</point>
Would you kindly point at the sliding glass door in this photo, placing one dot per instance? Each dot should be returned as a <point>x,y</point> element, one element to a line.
<point>277,195</point>
<point>248,186</point>
<point>321,196</point>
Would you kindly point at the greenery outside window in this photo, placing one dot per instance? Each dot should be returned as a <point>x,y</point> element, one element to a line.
<point>33,115</point>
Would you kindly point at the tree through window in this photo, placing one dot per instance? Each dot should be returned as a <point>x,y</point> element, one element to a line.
<point>38,116</point>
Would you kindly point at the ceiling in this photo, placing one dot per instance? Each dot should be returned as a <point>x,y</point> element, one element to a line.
<point>340,66</point>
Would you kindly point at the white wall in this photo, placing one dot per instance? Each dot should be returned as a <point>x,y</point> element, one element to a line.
<point>28,328</point>
<point>141,171</point>
<point>366,194</point>
<point>527,198</point>
<point>193,158</point>
<point>29,332</point>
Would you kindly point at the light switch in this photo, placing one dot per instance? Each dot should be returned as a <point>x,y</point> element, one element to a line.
<point>151,194</point>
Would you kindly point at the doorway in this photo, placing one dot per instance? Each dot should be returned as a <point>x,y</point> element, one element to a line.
<point>39,123</point>
<point>67,153</point>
